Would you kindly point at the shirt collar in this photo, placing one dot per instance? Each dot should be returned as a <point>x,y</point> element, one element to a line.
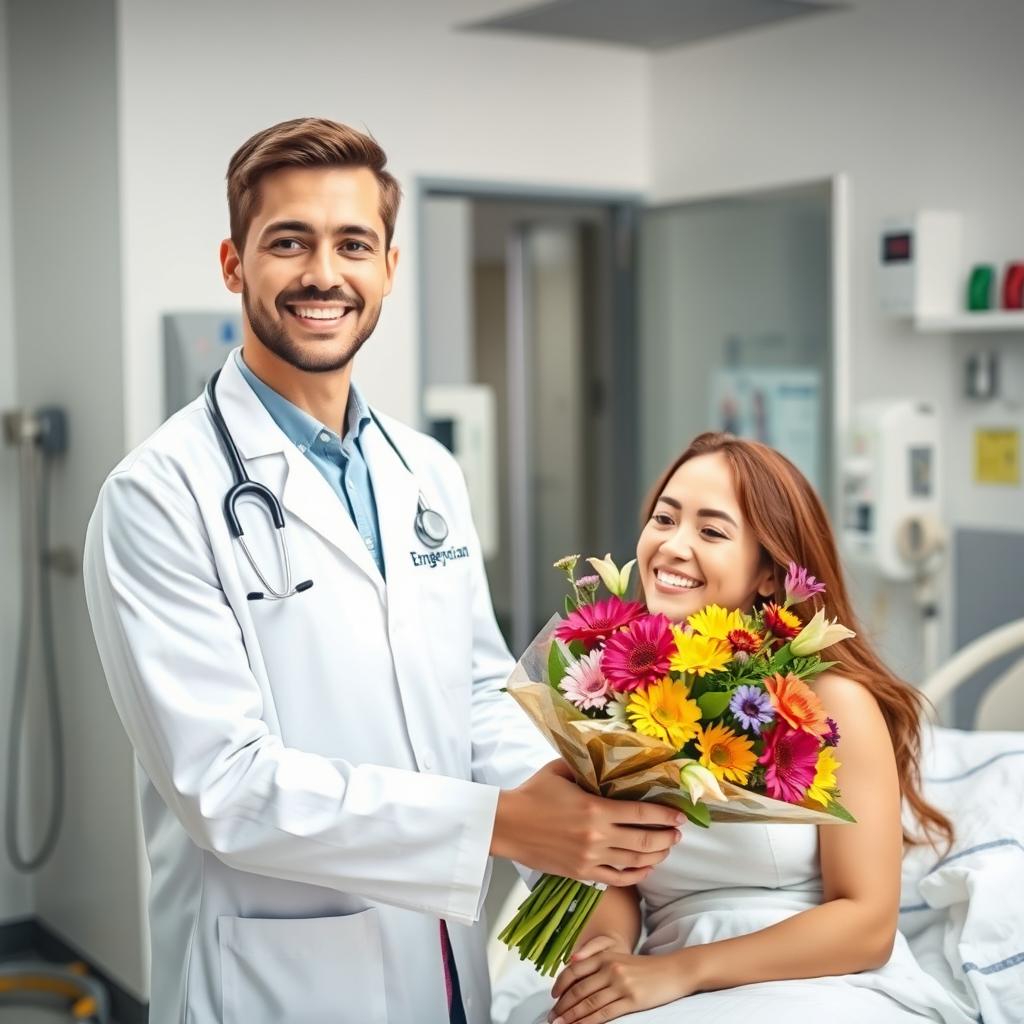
<point>296,424</point>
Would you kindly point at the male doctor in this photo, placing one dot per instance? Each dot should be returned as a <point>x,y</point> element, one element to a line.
<point>323,777</point>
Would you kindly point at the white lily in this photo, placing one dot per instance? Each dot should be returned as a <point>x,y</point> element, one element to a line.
<point>700,783</point>
<point>818,634</point>
<point>614,578</point>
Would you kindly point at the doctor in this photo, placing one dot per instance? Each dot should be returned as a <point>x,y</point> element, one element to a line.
<point>325,776</point>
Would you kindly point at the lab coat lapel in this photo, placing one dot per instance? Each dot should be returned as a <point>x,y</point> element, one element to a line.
<point>303,491</point>
<point>395,492</point>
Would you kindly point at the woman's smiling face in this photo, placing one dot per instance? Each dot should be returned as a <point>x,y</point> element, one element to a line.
<point>697,549</point>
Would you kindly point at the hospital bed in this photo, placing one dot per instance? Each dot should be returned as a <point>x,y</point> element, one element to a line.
<point>963,913</point>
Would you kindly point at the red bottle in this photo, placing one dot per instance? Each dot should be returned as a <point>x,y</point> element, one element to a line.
<point>1013,286</point>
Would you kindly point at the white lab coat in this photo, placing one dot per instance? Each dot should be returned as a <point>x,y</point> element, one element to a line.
<point>318,776</point>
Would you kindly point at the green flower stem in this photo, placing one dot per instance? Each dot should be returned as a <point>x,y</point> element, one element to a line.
<point>551,912</point>
<point>562,941</point>
<point>534,910</point>
<point>549,921</point>
<point>553,921</point>
<point>568,937</point>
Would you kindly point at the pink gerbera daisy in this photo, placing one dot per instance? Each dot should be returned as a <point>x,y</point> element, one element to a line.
<point>584,683</point>
<point>639,654</point>
<point>592,624</point>
<point>790,758</point>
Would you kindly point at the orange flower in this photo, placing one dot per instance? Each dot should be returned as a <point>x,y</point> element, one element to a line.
<point>797,703</point>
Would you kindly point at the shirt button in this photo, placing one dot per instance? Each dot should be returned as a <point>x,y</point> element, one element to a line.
<point>302,448</point>
<point>325,436</point>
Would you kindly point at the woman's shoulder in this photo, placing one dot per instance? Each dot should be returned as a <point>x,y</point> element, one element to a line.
<point>844,698</point>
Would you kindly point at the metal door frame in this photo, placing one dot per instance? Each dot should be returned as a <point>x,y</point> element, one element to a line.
<point>623,209</point>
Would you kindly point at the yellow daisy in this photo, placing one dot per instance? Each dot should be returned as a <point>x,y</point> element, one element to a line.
<point>822,789</point>
<point>665,711</point>
<point>725,754</point>
<point>698,654</point>
<point>715,622</point>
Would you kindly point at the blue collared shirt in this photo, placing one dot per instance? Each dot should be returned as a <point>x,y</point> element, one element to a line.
<point>339,459</point>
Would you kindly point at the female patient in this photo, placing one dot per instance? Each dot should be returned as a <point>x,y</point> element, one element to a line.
<point>792,923</point>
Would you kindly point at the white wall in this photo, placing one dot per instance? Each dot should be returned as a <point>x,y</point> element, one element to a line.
<point>197,79</point>
<point>15,889</point>
<point>920,103</point>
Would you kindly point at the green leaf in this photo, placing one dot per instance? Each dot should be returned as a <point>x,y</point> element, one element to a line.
<point>813,671</point>
<point>698,686</point>
<point>713,704</point>
<point>837,810</point>
<point>570,605</point>
<point>557,663</point>
<point>782,657</point>
<point>698,813</point>
<point>576,649</point>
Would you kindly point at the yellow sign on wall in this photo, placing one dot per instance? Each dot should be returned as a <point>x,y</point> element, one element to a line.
<point>997,456</point>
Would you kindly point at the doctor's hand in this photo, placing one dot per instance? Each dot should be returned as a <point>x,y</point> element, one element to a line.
<point>551,824</point>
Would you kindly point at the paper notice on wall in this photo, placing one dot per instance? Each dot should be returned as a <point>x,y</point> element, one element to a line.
<point>780,407</point>
<point>997,456</point>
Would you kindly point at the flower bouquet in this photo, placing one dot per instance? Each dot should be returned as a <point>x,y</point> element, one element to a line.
<point>713,716</point>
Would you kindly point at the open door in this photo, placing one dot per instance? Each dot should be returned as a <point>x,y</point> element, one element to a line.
<point>735,326</point>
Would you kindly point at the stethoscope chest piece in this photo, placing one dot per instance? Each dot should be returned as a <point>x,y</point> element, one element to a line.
<point>431,527</point>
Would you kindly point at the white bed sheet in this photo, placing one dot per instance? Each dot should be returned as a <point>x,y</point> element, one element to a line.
<point>963,913</point>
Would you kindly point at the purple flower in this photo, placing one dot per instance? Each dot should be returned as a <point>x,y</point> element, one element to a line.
<point>831,738</point>
<point>800,586</point>
<point>752,708</point>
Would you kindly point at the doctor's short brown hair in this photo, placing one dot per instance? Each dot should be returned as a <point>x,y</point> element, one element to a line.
<point>304,142</point>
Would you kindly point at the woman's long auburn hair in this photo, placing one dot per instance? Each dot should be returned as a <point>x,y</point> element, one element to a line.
<point>791,525</point>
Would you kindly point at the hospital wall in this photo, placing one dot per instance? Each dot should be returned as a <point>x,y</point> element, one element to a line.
<point>918,102</point>
<point>67,321</point>
<point>15,889</point>
<point>469,106</point>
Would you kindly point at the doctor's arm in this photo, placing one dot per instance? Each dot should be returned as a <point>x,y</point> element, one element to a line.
<point>178,672</point>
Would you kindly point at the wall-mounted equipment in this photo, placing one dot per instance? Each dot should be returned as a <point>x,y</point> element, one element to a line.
<point>195,346</point>
<point>463,418</point>
<point>891,522</point>
<point>40,438</point>
<point>920,264</point>
<point>891,475</point>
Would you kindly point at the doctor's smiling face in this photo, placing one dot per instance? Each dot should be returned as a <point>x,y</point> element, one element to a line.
<point>696,548</point>
<point>315,266</point>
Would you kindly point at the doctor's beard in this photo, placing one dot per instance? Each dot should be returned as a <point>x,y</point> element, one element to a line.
<point>308,358</point>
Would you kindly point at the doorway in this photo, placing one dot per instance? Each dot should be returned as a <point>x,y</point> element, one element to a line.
<point>580,343</point>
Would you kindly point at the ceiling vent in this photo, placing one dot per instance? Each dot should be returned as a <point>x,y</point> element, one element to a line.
<point>649,24</point>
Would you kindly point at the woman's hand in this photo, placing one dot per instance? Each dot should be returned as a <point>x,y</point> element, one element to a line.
<point>604,980</point>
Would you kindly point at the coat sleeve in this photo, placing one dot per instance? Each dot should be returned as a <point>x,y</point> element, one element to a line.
<point>176,665</point>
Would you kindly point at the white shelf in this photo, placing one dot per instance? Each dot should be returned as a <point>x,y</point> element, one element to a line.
<point>983,320</point>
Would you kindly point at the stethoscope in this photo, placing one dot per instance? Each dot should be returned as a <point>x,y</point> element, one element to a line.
<point>430,526</point>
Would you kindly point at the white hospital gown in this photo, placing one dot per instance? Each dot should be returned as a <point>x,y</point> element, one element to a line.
<point>735,879</point>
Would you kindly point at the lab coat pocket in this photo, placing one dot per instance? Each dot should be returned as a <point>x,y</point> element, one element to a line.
<point>304,971</point>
